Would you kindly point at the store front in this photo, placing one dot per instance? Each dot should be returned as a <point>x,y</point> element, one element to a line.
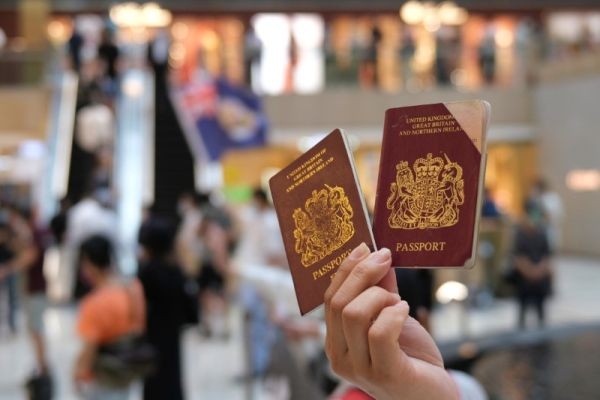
<point>305,53</point>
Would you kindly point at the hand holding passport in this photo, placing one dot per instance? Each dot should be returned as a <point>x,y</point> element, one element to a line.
<point>427,202</point>
<point>372,341</point>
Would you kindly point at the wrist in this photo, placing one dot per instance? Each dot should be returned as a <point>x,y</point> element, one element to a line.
<point>435,384</point>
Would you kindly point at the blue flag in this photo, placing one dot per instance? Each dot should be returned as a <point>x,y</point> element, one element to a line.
<point>223,116</point>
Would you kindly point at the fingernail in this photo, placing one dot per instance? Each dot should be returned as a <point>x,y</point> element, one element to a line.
<point>403,303</point>
<point>360,251</point>
<point>382,255</point>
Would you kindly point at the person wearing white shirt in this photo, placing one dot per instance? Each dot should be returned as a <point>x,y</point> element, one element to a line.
<point>87,218</point>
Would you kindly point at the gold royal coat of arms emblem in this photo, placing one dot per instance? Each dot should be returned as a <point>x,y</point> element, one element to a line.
<point>324,225</point>
<point>426,196</point>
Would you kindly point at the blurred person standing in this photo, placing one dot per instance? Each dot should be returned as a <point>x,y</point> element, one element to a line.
<point>261,241</point>
<point>102,178</point>
<point>533,278</point>
<point>494,243</point>
<point>416,288</point>
<point>553,212</point>
<point>8,284</point>
<point>407,52</point>
<point>252,54</point>
<point>369,76</point>
<point>58,223</point>
<point>28,246</point>
<point>108,53</point>
<point>74,46</point>
<point>188,244</point>
<point>218,237</point>
<point>113,310</point>
<point>90,76</point>
<point>158,53</point>
<point>172,302</point>
<point>95,133</point>
<point>90,216</point>
<point>489,209</point>
<point>487,56</point>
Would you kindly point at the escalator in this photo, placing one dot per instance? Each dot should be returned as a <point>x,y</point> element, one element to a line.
<point>174,164</point>
<point>58,182</point>
<point>153,164</point>
<point>152,161</point>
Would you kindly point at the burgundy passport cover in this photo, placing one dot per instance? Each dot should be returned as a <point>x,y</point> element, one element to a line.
<point>427,191</point>
<point>321,214</point>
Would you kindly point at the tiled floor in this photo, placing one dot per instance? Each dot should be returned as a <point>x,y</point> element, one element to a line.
<point>212,366</point>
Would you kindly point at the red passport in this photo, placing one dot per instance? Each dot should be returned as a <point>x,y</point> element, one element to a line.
<point>430,182</point>
<point>322,215</point>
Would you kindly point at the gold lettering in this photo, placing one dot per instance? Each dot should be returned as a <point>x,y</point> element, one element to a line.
<point>431,124</point>
<point>308,169</point>
<point>420,246</point>
<point>330,266</point>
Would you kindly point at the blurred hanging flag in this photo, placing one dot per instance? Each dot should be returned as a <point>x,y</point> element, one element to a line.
<point>217,116</point>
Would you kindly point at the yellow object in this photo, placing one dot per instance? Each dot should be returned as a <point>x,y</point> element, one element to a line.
<point>324,225</point>
<point>427,196</point>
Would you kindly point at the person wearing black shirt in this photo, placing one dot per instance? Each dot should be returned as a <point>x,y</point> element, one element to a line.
<point>532,264</point>
<point>108,52</point>
<point>171,303</point>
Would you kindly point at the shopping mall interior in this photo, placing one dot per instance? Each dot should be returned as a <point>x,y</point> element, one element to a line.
<point>137,140</point>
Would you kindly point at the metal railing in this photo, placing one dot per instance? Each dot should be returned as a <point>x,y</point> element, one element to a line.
<point>134,158</point>
<point>59,141</point>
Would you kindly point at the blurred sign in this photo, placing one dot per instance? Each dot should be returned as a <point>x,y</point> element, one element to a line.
<point>583,180</point>
<point>221,115</point>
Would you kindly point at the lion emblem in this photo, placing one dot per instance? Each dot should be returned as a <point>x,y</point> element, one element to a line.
<point>426,196</point>
<point>324,224</point>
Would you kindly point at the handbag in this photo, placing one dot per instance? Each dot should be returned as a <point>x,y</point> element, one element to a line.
<point>39,387</point>
<point>512,276</point>
<point>126,359</point>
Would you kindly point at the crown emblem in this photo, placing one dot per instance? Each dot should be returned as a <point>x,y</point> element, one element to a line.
<point>428,167</point>
<point>426,196</point>
<point>324,224</point>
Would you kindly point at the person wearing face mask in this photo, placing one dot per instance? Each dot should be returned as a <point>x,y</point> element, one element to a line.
<point>532,264</point>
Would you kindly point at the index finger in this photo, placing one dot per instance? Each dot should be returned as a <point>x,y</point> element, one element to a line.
<point>357,255</point>
<point>365,274</point>
<point>335,340</point>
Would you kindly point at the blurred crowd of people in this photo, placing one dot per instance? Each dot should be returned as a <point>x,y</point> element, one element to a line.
<point>185,276</point>
<point>192,269</point>
<point>23,243</point>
